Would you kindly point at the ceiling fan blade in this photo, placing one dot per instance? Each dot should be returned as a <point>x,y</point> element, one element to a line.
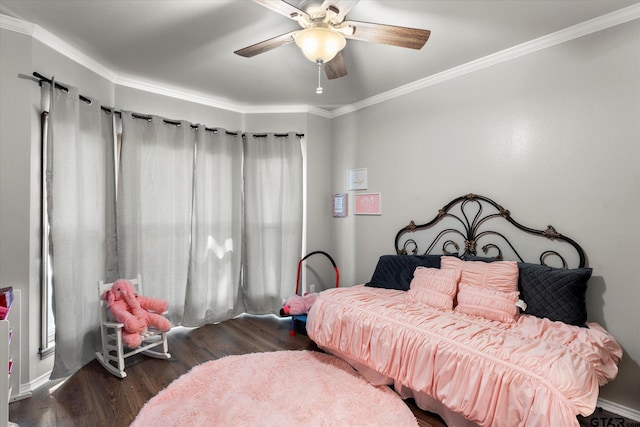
<point>335,68</point>
<point>342,6</point>
<point>283,8</point>
<point>412,38</point>
<point>266,45</point>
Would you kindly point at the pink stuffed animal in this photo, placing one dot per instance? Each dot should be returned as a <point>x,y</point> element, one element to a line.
<point>297,304</point>
<point>136,312</point>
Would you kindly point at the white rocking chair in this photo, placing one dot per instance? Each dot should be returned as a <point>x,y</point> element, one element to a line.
<point>113,351</point>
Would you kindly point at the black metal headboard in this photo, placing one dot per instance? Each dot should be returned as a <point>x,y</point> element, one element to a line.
<point>464,225</point>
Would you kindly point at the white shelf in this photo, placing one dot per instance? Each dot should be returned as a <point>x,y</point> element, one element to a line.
<point>9,355</point>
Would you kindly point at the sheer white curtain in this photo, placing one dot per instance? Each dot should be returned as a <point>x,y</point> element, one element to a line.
<point>79,148</point>
<point>212,221</point>
<point>273,219</point>
<point>154,206</point>
<point>216,241</point>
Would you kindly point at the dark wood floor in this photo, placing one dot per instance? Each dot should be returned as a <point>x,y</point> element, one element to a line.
<point>93,397</point>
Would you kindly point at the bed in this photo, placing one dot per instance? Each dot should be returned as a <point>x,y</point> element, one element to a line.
<point>458,320</point>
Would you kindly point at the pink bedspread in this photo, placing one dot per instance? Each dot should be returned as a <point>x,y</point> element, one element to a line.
<point>533,372</point>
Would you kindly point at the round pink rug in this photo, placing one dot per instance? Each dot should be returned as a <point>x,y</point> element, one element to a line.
<point>301,388</point>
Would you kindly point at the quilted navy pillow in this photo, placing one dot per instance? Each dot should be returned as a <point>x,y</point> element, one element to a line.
<point>554,293</point>
<point>396,271</point>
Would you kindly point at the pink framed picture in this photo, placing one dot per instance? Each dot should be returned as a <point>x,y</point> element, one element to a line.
<point>367,204</point>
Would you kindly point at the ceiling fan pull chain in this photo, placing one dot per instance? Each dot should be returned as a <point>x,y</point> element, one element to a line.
<point>319,88</point>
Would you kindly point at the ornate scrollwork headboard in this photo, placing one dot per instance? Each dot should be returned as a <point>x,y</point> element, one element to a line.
<point>469,221</point>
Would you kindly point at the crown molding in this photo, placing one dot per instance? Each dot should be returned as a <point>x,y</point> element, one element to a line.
<point>16,25</point>
<point>175,92</point>
<point>64,48</point>
<point>54,42</point>
<point>588,27</point>
<point>612,19</point>
<point>283,109</point>
<point>60,46</point>
<point>190,96</point>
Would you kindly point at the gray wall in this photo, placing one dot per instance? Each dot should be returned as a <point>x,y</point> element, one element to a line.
<point>553,136</point>
<point>19,229</point>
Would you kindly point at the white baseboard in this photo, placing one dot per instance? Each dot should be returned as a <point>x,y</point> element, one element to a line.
<point>616,408</point>
<point>20,396</point>
<point>27,389</point>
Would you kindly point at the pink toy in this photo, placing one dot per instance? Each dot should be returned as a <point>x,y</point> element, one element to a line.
<point>3,312</point>
<point>297,304</point>
<point>136,312</point>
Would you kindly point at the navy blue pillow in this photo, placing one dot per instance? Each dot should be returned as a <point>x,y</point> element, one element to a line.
<point>555,293</point>
<point>396,271</point>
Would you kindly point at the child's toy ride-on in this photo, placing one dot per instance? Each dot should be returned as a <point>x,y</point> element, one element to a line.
<point>297,306</point>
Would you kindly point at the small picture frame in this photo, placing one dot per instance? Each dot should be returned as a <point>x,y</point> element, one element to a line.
<point>357,179</point>
<point>368,204</point>
<point>339,206</point>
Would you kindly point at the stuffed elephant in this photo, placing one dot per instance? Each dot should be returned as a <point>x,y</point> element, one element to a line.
<point>297,304</point>
<point>135,312</point>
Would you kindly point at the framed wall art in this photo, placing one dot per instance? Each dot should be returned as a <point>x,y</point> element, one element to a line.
<point>357,179</point>
<point>368,204</point>
<point>339,206</point>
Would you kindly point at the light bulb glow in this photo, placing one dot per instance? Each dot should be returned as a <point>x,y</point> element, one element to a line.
<point>319,43</point>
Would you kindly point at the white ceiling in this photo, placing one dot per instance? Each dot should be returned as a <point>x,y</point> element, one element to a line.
<point>188,45</point>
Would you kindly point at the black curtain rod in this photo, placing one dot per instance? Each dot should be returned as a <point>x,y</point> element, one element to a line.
<point>114,111</point>
<point>59,86</point>
<point>277,135</point>
<point>110,110</point>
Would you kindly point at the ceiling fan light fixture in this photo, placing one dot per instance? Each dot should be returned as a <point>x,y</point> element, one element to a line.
<point>320,44</point>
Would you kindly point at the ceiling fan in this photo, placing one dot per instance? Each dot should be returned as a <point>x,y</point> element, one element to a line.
<point>324,31</point>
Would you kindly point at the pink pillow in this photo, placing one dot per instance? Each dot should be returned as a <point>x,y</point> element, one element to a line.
<point>487,303</point>
<point>488,290</point>
<point>498,275</point>
<point>433,287</point>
